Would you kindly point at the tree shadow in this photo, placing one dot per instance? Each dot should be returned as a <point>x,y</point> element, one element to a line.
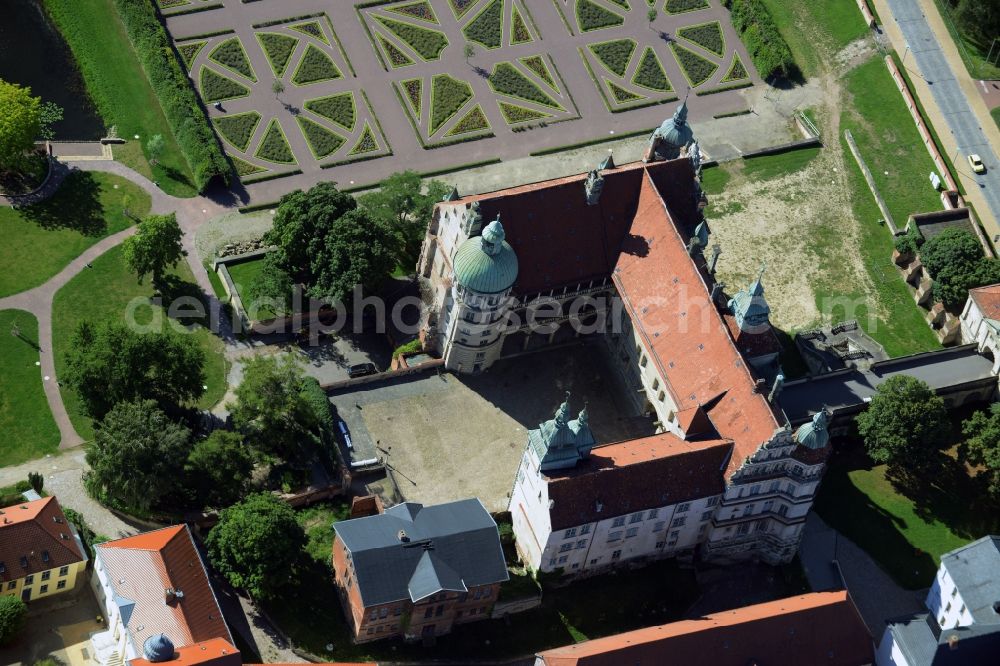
<point>75,206</point>
<point>173,174</point>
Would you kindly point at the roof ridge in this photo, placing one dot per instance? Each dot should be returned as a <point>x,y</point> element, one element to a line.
<point>124,542</point>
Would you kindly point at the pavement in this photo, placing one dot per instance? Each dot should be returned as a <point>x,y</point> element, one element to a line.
<point>58,627</point>
<point>950,98</point>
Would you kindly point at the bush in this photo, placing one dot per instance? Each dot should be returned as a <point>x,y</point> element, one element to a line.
<point>697,69</point>
<point>767,48</point>
<point>322,142</point>
<point>366,143</point>
<point>680,6</point>
<point>615,55</point>
<point>909,242</point>
<point>506,79</point>
<point>87,535</point>
<point>448,95</point>
<point>514,114</point>
<point>278,48</point>
<point>649,74</point>
<point>594,17</point>
<point>706,35</point>
<point>314,67</point>
<point>537,65</point>
<point>339,108</point>
<point>230,54</point>
<point>474,121</point>
<point>954,258</point>
<point>187,119</point>
<point>486,28</point>
<point>12,614</point>
<point>274,147</point>
<point>320,403</point>
<point>428,43</point>
<point>215,87</point>
<point>238,129</point>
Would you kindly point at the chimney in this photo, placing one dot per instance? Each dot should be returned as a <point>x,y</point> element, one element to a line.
<point>402,536</point>
<point>169,598</point>
<point>953,641</point>
<point>779,383</point>
<point>716,251</point>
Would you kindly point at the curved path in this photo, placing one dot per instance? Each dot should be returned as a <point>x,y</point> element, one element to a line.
<point>191,213</point>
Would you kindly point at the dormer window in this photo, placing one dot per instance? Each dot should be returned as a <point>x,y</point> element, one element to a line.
<point>3,568</point>
<point>45,556</point>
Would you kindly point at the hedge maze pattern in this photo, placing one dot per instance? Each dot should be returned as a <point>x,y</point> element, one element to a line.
<point>593,16</point>
<point>706,35</point>
<point>627,75</point>
<point>230,54</point>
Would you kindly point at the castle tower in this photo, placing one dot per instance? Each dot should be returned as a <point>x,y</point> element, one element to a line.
<point>485,270</point>
<point>560,443</point>
<point>671,137</point>
<point>750,309</point>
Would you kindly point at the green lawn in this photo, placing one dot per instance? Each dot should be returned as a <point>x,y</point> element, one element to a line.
<point>27,430</point>
<point>39,240</point>
<point>243,275</point>
<point>906,531</point>
<point>996,115</point>
<point>317,520</point>
<point>973,54</point>
<point>117,84</point>
<point>812,27</point>
<point>773,166</point>
<point>104,292</point>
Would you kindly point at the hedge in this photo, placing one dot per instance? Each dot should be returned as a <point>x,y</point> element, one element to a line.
<point>238,129</point>
<point>768,49</point>
<point>448,95</point>
<point>278,48</point>
<point>169,81</point>
<point>594,17</point>
<point>428,43</point>
<point>322,141</point>
<point>506,79</point>
<point>314,67</point>
<point>486,28</point>
<point>615,55</point>
<point>649,74</point>
<point>338,107</point>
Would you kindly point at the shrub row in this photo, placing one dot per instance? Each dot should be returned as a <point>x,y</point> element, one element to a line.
<point>506,79</point>
<point>767,48</point>
<point>487,28</point>
<point>184,113</point>
<point>615,54</point>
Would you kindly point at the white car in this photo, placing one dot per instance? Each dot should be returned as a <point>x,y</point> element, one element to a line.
<point>976,163</point>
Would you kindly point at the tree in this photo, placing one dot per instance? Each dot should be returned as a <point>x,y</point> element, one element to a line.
<point>37,481</point>
<point>49,115</point>
<point>277,87</point>
<point>905,423</point>
<point>272,411</point>
<point>468,51</point>
<point>12,614</point>
<point>981,447</point>
<point>136,456</point>
<point>154,148</point>
<point>406,204</point>
<point>218,469</point>
<point>979,19</point>
<point>255,542</point>
<point>20,124</point>
<point>651,14</point>
<point>111,363</point>
<point>155,246</point>
<point>955,260</point>
<point>359,251</point>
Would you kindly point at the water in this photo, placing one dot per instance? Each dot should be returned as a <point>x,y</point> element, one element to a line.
<point>33,53</point>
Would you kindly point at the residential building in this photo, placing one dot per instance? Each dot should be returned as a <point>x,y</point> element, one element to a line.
<point>980,321</point>
<point>40,552</point>
<point>154,592</point>
<point>962,625</point>
<point>211,652</point>
<point>811,629</point>
<point>415,571</point>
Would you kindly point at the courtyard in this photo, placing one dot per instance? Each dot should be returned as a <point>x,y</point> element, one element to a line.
<point>314,87</point>
<point>58,628</point>
<point>446,437</point>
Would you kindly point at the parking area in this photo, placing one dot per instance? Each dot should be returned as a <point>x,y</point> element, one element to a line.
<point>446,437</point>
<point>59,628</point>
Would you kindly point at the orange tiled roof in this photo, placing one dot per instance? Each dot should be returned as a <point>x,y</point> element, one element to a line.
<point>213,652</point>
<point>668,300</point>
<point>988,300</point>
<point>142,567</point>
<point>39,533</point>
<point>817,628</point>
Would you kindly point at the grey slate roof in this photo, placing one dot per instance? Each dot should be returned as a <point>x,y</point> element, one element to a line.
<point>924,643</point>
<point>975,568</point>
<point>451,546</point>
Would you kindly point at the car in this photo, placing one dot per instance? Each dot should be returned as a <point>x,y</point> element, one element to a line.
<point>976,163</point>
<point>346,435</point>
<point>362,370</point>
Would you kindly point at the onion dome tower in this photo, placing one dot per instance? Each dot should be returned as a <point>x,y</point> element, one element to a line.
<point>485,271</point>
<point>750,309</point>
<point>158,648</point>
<point>814,434</point>
<point>669,138</point>
<point>560,443</point>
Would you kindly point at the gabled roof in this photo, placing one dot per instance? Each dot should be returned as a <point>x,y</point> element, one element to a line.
<point>988,300</point>
<point>141,568</point>
<point>975,568</point>
<point>635,475</point>
<point>413,551</point>
<point>213,652</point>
<point>924,643</point>
<point>34,537</point>
<point>818,628</point>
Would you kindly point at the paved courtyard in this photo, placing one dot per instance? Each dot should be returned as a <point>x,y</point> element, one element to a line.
<point>58,627</point>
<point>447,437</point>
<point>393,79</point>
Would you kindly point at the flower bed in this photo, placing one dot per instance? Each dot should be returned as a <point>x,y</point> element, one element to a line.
<point>737,72</point>
<point>461,7</point>
<point>421,10</point>
<point>681,6</point>
<point>238,129</point>
<point>519,33</point>
<point>474,121</point>
<point>615,55</point>
<point>590,16</point>
<point>230,54</point>
<point>190,51</point>
<point>366,143</point>
<point>322,141</point>
<point>515,114</point>
<point>338,108</point>
<point>426,42</point>
<point>314,67</point>
<point>696,68</point>
<point>650,75</point>
<point>620,95</point>
<point>396,57</point>
<point>274,147</point>
<point>706,35</point>
<point>486,28</point>
<point>216,88</point>
<point>414,90</point>
<point>507,80</point>
<point>537,65</point>
<point>278,48</point>
<point>312,29</point>
<point>244,168</point>
<point>448,95</point>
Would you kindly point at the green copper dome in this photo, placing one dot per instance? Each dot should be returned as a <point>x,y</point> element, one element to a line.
<point>814,435</point>
<point>486,264</point>
<point>675,131</point>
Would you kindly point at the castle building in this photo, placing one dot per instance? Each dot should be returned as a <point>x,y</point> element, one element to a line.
<point>618,254</point>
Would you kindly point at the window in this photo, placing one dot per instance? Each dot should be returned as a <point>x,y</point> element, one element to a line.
<point>674,534</point>
<point>782,510</point>
<point>790,489</point>
<point>616,555</point>
<point>397,610</point>
<point>768,504</point>
<point>636,518</point>
<point>383,613</point>
<point>775,486</point>
<point>618,521</point>
<point>712,501</point>
<point>755,489</point>
<point>948,607</point>
<point>656,383</point>
<point>679,522</point>
<point>961,610</point>
<point>439,610</point>
<point>760,526</point>
<point>705,516</point>
<point>658,527</point>
<point>11,585</point>
<point>585,530</point>
<point>642,361</point>
<point>60,585</point>
<point>661,396</point>
<point>552,562</point>
<point>582,543</point>
<point>63,571</point>
<point>46,575</point>
<point>631,532</point>
<point>562,560</point>
<point>429,612</point>
<point>681,508</point>
<point>660,544</point>
<point>378,629</point>
<point>373,615</point>
<point>594,561</point>
<point>748,509</point>
<point>565,547</point>
<point>653,513</point>
<point>478,594</point>
<point>487,592</point>
<point>614,536</point>
<point>954,591</point>
<point>44,589</point>
<point>570,533</point>
<point>370,631</point>
<point>743,529</point>
<point>28,580</point>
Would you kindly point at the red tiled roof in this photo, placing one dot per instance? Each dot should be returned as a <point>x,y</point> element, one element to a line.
<point>214,652</point>
<point>988,300</point>
<point>753,345</point>
<point>142,567</point>
<point>635,475</point>
<point>35,530</point>
<point>817,628</point>
<point>668,301</point>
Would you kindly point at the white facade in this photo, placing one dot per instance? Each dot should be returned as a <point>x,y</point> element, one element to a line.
<point>113,646</point>
<point>982,331</point>
<point>890,654</point>
<point>944,601</point>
